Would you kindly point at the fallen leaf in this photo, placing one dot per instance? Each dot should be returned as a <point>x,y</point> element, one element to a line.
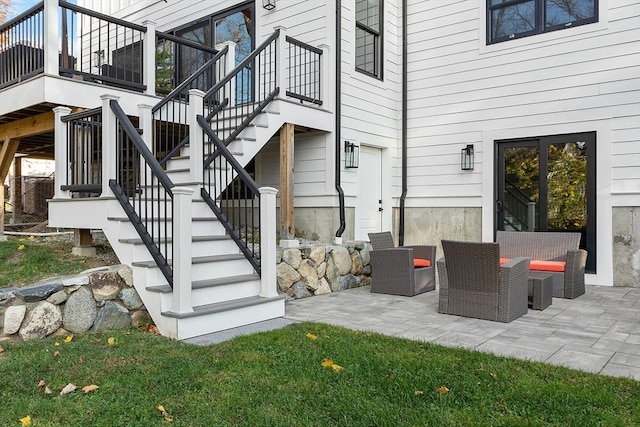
<point>161,408</point>
<point>69,388</point>
<point>326,363</point>
<point>337,368</point>
<point>41,384</point>
<point>56,353</point>
<point>90,388</point>
<point>26,421</point>
<point>418,392</point>
<point>80,360</point>
<point>1,349</point>
<point>311,336</point>
<point>111,341</point>
<point>153,329</point>
<point>20,248</point>
<point>494,375</point>
<point>443,390</point>
<point>68,338</point>
<point>32,238</point>
<point>47,390</point>
<point>57,344</point>
<point>167,417</point>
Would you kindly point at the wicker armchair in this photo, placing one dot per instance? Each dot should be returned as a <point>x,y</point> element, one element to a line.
<point>472,283</point>
<point>408,270</point>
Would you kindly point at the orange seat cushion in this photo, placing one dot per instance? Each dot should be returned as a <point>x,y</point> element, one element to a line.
<point>419,262</point>
<point>539,265</point>
<point>557,266</point>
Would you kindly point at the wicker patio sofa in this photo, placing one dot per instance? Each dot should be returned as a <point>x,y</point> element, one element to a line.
<point>473,284</point>
<point>551,253</point>
<point>407,270</point>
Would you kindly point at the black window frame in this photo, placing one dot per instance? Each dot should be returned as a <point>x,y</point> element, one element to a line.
<point>378,42</point>
<point>540,12</point>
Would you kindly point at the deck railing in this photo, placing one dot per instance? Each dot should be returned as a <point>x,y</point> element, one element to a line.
<point>84,153</point>
<point>304,72</point>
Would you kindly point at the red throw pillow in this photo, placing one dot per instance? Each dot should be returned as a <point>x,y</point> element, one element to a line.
<point>538,265</point>
<point>419,262</point>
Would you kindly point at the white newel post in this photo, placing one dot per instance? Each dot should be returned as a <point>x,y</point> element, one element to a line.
<point>146,124</point>
<point>61,153</point>
<point>51,23</point>
<point>229,66</point>
<point>281,61</point>
<point>268,230</point>
<point>182,217</point>
<point>196,134</point>
<point>325,87</point>
<point>109,141</point>
<point>149,57</point>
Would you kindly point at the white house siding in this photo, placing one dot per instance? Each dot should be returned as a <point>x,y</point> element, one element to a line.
<point>462,91</point>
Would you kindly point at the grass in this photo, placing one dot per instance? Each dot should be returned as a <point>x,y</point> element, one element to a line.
<point>26,260</point>
<point>276,379</point>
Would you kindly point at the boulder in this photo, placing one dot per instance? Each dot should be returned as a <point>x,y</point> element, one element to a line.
<point>140,318</point>
<point>126,274</point>
<point>317,254</point>
<point>286,276</point>
<point>309,274</point>
<point>39,292</point>
<point>130,298</point>
<point>300,290</point>
<point>79,311</point>
<point>112,315</point>
<point>13,318</point>
<point>105,285</point>
<point>323,287</point>
<point>333,275</point>
<point>347,282</point>
<point>58,298</point>
<point>356,263</point>
<point>292,256</point>
<point>44,319</point>
<point>341,259</point>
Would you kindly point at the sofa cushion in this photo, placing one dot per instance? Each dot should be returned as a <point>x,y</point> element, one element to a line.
<point>540,265</point>
<point>420,262</point>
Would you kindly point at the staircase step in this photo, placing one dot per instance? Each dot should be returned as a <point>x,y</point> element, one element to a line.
<point>220,307</point>
<point>137,241</point>
<point>195,260</point>
<point>208,283</point>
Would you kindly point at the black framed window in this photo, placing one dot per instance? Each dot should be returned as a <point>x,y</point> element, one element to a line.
<point>511,19</point>
<point>368,37</point>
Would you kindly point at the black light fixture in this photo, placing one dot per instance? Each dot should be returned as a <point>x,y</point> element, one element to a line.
<point>466,158</point>
<point>351,155</point>
<point>269,4</point>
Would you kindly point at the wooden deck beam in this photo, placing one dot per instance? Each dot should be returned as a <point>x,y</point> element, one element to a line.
<point>29,126</point>
<point>287,228</point>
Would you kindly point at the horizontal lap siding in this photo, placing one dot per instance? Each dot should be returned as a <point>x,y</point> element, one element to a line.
<point>460,88</point>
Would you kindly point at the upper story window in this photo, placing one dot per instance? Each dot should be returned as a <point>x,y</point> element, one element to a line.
<point>368,37</point>
<point>510,19</point>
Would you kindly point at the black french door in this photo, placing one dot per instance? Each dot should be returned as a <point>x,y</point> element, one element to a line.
<point>549,184</point>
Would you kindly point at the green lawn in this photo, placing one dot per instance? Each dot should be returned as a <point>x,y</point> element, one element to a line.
<point>277,379</point>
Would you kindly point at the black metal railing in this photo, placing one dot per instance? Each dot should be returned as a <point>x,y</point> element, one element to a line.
<point>234,198</point>
<point>170,114</point>
<point>517,208</point>
<point>304,72</point>
<point>233,102</point>
<point>84,153</point>
<point>144,192</point>
<point>22,46</point>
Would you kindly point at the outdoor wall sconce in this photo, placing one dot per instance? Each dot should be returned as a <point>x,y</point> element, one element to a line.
<point>269,4</point>
<point>466,158</point>
<point>351,155</point>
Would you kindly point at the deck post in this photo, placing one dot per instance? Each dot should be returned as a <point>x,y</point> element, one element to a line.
<point>287,226</point>
<point>281,62</point>
<point>109,144</point>
<point>146,124</point>
<point>325,87</point>
<point>182,216</point>
<point>196,134</point>
<point>268,282</point>
<point>62,160</point>
<point>51,25</point>
<point>149,57</point>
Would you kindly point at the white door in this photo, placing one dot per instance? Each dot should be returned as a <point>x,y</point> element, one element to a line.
<point>368,214</point>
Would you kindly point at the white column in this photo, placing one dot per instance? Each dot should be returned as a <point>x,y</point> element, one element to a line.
<point>182,217</point>
<point>268,230</point>
<point>282,54</point>
<point>109,143</point>
<point>325,73</point>
<point>146,124</point>
<point>229,60</point>
<point>196,134</point>
<point>230,65</point>
<point>149,57</point>
<point>51,23</point>
<point>61,152</point>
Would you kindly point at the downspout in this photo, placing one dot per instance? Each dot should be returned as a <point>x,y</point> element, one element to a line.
<point>338,132</point>
<point>403,196</point>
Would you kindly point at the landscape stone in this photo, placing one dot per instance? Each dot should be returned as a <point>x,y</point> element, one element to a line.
<point>41,321</point>
<point>292,256</point>
<point>347,282</point>
<point>75,281</point>
<point>80,311</point>
<point>300,290</point>
<point>130,298</point>
<point>13,318</point>
<point>58,298</point>
<point>126,274</point>
<point>322,268</point>
<point>309,274</point>
<point>317,254</point>
<point>333,275</point>
<point>112,315</point>
<point>286,276</point>
<point>323,287</point>
<point>105,286</point>
<point>365,253</point>
<point>341,258</point>
<point>140,318</point>
<point>356,263</point>
<point>39,292</point>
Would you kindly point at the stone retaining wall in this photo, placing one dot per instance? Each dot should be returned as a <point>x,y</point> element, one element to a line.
<point>320,269</point>
<point>96,300</point>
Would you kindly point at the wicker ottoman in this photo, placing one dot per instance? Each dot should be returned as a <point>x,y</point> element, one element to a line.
<point>540,292</point>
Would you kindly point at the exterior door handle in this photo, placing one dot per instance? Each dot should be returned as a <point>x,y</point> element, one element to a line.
<point>499,205</point>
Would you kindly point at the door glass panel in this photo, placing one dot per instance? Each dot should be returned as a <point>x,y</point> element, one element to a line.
<point>567,187</point>
<point>190,59</point>
<point>521,188</point>
<point>236,27</point>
